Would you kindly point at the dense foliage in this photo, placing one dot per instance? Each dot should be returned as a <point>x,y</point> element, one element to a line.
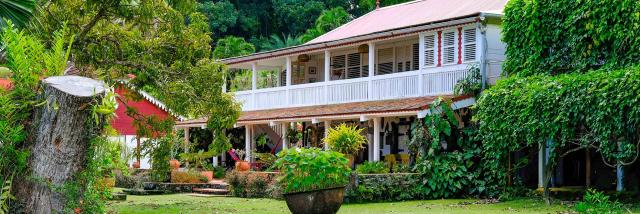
<point>253,184</point>
<point>561,36</point>
<point>304,170</point>
<point>447,165</point>
<point>346,139</point>
<point>597,110</point>
<point>384,187</point>
<point>377,167</point>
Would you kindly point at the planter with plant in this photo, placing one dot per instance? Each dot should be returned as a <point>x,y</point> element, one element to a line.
<point>313,180</point>
<point>198,160</point>
<point>241,164</point>
<point>346,139</point>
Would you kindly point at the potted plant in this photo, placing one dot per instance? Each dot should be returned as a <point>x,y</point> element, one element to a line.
<point>174,163</point>
<point>313,180</point>
<point>346,139</point>
<point>241,164</point>
<point>198,158</point>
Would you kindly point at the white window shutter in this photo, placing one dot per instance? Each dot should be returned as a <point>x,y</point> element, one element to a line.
<point>469,41</point>
<point>448,47</point>
<point>429,50</point>
<point>385,61</point>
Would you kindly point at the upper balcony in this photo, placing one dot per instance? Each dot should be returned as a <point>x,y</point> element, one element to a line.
<point>343,75</point>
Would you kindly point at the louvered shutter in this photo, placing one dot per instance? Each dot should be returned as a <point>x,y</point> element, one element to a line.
<point>338,63</point>
<point>429,50</point>
<point>415,56</point>
<point>448,47</point>
<point>353,66</point>
<point>385,61</point>
<point>469,39</point>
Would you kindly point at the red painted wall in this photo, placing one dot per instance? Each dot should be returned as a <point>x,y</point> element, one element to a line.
<point>123,123</point>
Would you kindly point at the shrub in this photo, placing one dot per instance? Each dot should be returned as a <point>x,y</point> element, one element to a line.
<point>189,177</point>
<point>266,159</point>
<point>345,139</point>
<point>253,184</point>
<point>384,187</point>
<point>311,169</point>
<point>401,168</point>
<point>597,202</point>
<point>219,172</point>
<point>372,168</point>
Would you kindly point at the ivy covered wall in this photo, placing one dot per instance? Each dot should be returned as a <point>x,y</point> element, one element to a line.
<point>563,36</point>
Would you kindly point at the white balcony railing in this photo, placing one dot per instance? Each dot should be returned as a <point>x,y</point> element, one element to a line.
<point>434,81</point>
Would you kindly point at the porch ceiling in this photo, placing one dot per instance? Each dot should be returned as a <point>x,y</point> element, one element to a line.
<point>397,107</point>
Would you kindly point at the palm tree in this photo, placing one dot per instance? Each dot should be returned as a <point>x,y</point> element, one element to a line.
<point>276,42</point>
<point>17,11</point>
<point>232,46</point>
<point>327,21</point>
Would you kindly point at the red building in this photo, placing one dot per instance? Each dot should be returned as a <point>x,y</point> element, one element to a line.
<point>124,124</point>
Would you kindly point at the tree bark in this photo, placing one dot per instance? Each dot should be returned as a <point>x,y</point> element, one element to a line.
<point>59,139</point>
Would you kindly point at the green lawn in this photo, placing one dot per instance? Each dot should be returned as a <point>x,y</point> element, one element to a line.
<point>184,203</point>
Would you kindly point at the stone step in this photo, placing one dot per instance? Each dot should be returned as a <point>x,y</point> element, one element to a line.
<point>210,191</point>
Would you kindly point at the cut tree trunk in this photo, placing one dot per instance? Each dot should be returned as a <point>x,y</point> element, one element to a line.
<point>59,139</point>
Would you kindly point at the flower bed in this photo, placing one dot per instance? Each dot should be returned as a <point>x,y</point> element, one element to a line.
<point>383,187</point>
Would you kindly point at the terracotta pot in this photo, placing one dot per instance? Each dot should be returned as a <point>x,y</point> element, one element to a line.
<point>208,174</point>
<point>317,201</point>
<point>350,158</point>
<point>136,165</point>
<point>242,166</point>
<point>175,164</point>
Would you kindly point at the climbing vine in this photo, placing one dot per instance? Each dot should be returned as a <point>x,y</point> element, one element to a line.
<point>568,112</point>
<point>563,36</point>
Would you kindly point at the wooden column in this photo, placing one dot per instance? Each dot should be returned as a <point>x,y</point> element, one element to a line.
<point>541,158</point>
<point>372,68</point>
<point>288,79</point>
<point>327,125</point>
<point>247,142</point>
<point>421,62</point>
<point>285,137</point>
<point>376,139</point>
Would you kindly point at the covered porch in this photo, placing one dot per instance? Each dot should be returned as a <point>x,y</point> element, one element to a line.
<point>387,124</point>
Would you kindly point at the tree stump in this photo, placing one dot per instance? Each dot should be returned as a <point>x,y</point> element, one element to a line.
<point>59,139</point>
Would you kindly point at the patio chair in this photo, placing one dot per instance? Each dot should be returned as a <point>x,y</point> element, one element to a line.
<point>404,158</point>
<point>390,160</point>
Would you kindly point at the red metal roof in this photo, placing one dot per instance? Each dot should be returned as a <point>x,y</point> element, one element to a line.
<point>410,14</point>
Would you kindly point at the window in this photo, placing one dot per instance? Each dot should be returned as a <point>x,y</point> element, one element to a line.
<point>449,47</point>
<point>469,44</point>
<point>429,50</point>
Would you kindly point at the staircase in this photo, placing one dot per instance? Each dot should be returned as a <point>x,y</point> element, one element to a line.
<point>216,187</point>
<point>274,133</point>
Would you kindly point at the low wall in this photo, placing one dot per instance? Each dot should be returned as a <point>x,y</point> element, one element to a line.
<point>179,187</point>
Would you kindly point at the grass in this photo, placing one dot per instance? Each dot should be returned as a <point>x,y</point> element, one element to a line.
<point>184,203</point>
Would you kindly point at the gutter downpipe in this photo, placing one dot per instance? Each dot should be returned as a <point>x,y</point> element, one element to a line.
<point>483,55</point>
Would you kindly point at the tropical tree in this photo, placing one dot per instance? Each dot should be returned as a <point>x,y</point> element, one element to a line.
<point>231,46</point>
<point>276,42</point>
<point>18,11</point>
<point>327,21</point>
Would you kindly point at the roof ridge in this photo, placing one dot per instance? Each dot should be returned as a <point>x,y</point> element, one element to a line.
<point>365,15</point>
<point>401,4</point>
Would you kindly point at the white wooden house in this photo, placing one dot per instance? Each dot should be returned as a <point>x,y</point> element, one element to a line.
<point>381,70</point>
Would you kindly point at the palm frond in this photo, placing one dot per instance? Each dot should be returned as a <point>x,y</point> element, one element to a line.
<point>18,11</point>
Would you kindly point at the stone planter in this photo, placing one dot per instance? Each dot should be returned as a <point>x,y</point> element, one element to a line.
<point>175,164</point>
<point>315,202</point>
<point>243,166</point>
